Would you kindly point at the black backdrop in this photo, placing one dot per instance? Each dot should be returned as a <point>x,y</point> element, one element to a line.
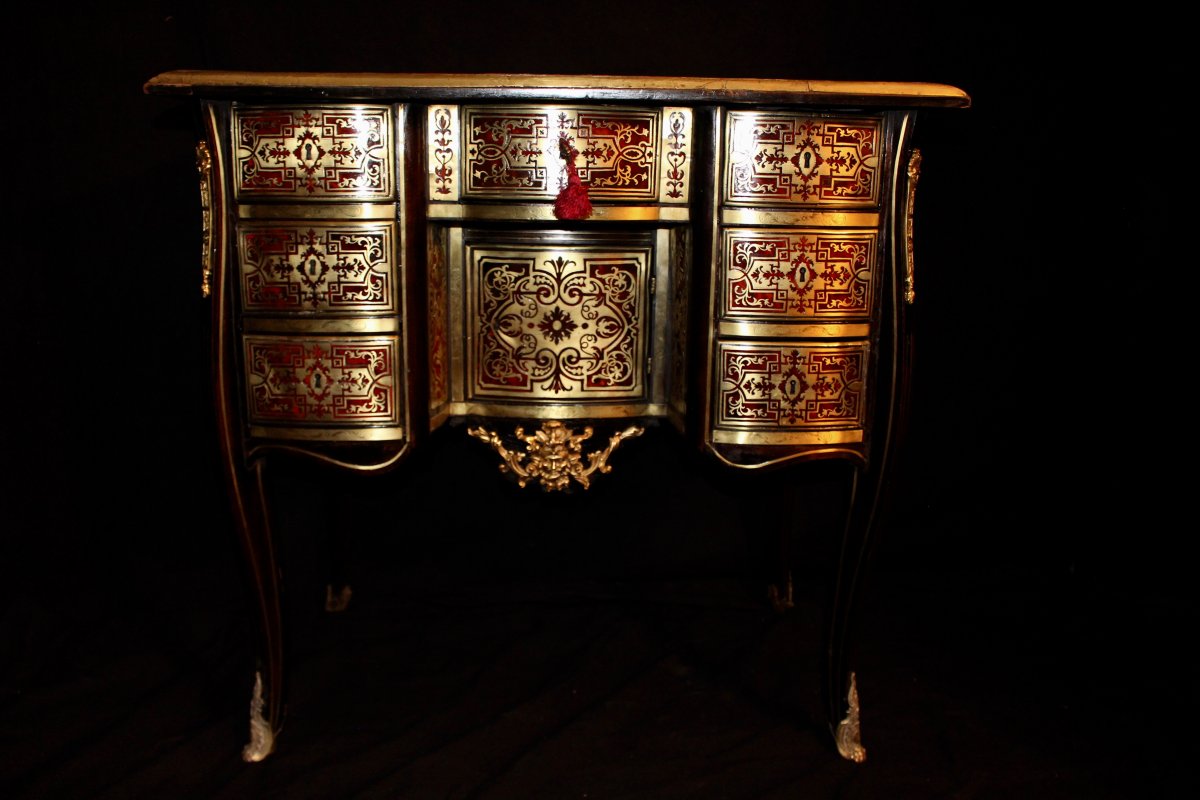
<point>1048,422</point>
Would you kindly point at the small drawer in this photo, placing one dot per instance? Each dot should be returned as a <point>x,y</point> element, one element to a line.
<point>784,159</point>
<point>307,268</point>
<point>782,392</point>
<point>313,153</point>
<point>324,387</point>
<point>810,281</point>
<point>512,153</point>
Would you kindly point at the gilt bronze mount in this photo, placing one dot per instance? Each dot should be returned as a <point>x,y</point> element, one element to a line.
<point>554,454</point>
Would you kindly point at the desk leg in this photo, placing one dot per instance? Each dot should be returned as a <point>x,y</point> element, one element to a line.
<point>866,495</point>
<point>266,705</point>
<point>841,685</point>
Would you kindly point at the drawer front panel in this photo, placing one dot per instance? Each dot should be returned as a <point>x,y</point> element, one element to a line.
<point>788,386</point>
<point>558,322</point>
<point>323,381</point>
<point>314,153</point>
<point>782,159</point>
<point>798,274</point>
<point>305,267</point>
<point>626,155</point>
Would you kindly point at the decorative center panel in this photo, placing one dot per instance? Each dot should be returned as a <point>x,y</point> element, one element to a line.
<point>779,158</point>
<point>790,385</point>
<point>314,153</point>
<point>558,324</point>
<point>317,267</point>
<point>514,152</point>
<point>322,380</point>
<point>798,273</point>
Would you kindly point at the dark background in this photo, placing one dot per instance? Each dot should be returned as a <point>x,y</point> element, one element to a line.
<point>1030,605</point>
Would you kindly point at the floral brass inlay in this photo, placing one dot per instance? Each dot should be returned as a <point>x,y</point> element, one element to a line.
<point>674,173</point>
<point>443,153</point>
<point>558,323</point>
<point>554,455</point>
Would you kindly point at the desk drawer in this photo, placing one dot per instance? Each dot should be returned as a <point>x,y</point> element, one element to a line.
<point>313,153</point>
<point>798,281</point>
<point>560,318</point>
<point>305,269</point>
<point>776,158</point>
<point>511,153</point>
<point>324,387</point>
<point>792,392</point>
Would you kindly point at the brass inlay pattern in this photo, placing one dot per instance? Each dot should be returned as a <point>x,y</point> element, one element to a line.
<point>317,153</point>
<point>444,142</point>
<point>204,167</point>
<point>557,323</point>
<point>324,382</point>
<point>914,174</point>
<point>676,143</point>
<point>793,159</point>
<point>849,730</point>
<point>555,454</point>
<point>311,267</point>
<point>624,153</point>
<point>785,386</point>
<point>802,274</point>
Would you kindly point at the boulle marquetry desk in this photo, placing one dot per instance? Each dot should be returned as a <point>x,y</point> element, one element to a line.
<point>558,259</point>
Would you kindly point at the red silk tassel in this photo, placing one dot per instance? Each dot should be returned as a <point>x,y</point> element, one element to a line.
<point>573,201</point>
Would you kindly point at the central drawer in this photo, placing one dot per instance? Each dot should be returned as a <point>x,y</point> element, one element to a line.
<point>553,322</point>
<point>508,161</point>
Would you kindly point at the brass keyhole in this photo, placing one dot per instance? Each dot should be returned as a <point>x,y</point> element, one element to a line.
<point>308,152</point>
<point>808,161</point>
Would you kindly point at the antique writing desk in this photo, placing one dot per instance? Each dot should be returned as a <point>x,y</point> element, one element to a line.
<point>554,254</point>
